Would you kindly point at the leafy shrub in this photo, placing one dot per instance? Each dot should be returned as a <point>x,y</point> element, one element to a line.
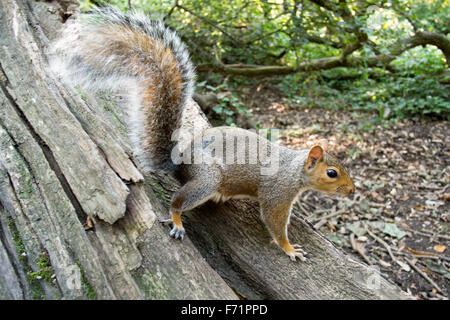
<point>229,105</point>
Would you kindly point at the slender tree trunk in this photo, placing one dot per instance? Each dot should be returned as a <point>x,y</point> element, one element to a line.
<point>65,157</point>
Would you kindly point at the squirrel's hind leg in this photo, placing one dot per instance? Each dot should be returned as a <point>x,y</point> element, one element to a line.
<point>191,195</point>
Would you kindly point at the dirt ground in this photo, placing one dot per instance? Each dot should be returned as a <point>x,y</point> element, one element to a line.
<point>398,219</point>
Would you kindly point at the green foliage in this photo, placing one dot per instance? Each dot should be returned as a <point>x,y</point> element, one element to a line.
<point>399,95</point>
<point>45,270</point>
<point>337,240</point>
<point>412,90</point>
<point>87,287</point>
<point>36,289</point>
<point>229,105</point>
<point>416,96</point>
<point>428,15</point>
<point>292,32</point>
<point>420,60</point>
<point>20,247</point>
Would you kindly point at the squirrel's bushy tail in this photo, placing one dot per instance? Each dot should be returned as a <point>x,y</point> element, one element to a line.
<point>138,57</point>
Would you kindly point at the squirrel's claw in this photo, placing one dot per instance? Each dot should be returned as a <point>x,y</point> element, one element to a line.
<point>176,232</point>
<point>293,256</point>
<point>297,252</point>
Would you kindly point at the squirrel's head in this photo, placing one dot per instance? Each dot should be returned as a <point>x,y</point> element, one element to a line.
<point>326,173</point>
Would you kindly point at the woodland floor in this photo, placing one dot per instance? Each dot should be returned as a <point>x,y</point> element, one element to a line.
<point>401,172</point>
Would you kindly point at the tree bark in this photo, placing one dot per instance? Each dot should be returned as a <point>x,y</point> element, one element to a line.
<point>65,156</point>
<point>61,161</point>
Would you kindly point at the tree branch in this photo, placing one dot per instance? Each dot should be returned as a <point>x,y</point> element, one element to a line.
<point>324,41</point>
<point>212,23</point>
<point>343,60</point>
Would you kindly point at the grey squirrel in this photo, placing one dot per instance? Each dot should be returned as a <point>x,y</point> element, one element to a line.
<point>130,52</point>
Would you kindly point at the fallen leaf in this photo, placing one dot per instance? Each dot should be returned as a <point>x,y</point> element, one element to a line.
<point>336,240</point>
<point>376,224</point>
<point>404,265</point>
<point>89,224</point>
<point>392,230</point>
<point>355,228</point>
<point>332,227</point>
<point>420,207</point>
<point>439,248</point>
<point>436,267</point>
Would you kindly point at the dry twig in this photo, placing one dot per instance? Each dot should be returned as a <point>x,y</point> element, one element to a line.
<point>302,208</point>
<point>331,215</point>
<point>384,244</point>
<point>424,275</point>
<point>429,234</point>
<point>359,248</point>
<point>387,170</point>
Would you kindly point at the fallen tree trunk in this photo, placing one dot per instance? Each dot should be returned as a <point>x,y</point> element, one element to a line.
<point>60,161</point>
<point>65,157</point>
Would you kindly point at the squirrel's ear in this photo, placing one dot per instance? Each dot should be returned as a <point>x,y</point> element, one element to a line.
<point>315,155</point>
<point>324,144</point>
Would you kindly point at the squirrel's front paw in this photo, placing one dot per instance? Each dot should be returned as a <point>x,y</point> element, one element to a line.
<point>177,232</point>
<point>296,251</point>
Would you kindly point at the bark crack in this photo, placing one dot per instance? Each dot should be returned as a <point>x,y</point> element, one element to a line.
<point>82,216</point>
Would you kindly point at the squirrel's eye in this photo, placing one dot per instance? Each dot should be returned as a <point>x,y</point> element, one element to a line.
<point>332,173</point>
